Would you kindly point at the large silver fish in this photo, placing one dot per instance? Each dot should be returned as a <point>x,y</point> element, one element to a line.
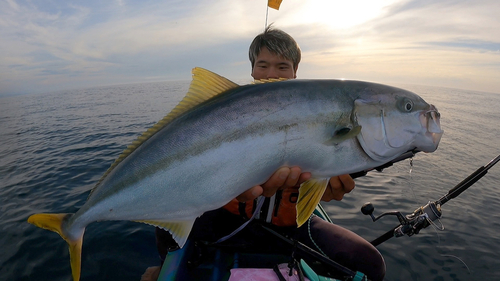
<point>223,139</point>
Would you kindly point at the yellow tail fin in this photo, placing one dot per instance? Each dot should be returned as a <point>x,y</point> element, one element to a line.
<point>54,222</point>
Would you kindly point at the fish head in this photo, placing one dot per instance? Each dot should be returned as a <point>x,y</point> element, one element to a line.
<point>394,123</point>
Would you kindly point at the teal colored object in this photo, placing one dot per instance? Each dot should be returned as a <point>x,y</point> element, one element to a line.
<point>309,273</point>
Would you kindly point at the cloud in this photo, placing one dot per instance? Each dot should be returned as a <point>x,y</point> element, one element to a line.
<point>443,43</point>
<point>97,38</point>
<point>48,45</point>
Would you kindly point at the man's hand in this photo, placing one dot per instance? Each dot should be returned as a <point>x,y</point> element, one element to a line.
<point>337,187</point>
<point>291,176</point>
<point>284,177</point>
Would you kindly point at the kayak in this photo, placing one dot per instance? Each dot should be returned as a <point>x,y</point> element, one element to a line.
<point>235,263</point>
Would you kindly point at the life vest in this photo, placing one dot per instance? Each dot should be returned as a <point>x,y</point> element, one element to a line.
<point>279,210</point>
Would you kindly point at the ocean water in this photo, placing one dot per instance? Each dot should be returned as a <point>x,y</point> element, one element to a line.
<point>54,147</point>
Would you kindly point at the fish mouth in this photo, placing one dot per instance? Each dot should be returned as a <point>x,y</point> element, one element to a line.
<point>430,121</point>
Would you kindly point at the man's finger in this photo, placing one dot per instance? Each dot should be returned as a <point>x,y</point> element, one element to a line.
<point>250,194</point>
<point>293,177</point>
<point>347,183</point>
<point>276,181</point>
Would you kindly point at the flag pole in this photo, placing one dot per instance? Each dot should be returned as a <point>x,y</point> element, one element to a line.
<point>275,4</point>
<point>267,12</point>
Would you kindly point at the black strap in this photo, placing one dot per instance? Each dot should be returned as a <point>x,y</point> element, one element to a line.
<point>242,209</point>
<point>277,270</point>
<point>293,264</point>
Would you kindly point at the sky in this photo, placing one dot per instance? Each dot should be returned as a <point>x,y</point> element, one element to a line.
<point>61,44</point>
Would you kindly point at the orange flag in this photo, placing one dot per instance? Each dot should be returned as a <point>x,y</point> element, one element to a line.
<point>275,4</point>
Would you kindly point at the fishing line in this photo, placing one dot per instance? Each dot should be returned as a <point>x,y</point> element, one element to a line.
<point>431,222</point>
<point>411,180</point>
<point>437,233</point>
<point>441,228</point>
<point>452,256</point>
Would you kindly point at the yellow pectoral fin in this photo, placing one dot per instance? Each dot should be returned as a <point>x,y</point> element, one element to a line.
<point>55,222</point>
<point>180,230</point>
<point>310,194</point>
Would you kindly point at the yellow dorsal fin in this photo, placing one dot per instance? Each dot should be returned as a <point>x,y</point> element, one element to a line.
<point>204,86</point>
<point>310,194</point>
<point>262,81</point>
<point>180,230</point>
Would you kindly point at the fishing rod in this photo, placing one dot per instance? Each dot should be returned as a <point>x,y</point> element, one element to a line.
<point>304,249</point>
<point>425,215</point>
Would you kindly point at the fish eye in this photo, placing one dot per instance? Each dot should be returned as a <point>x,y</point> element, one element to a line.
<point>408,105</point>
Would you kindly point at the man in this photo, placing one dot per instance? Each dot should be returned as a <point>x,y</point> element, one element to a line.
<point>267,63</point>
<point>275,54</point>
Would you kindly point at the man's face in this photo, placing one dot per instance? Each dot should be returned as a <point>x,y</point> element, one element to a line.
<point>269,65</point>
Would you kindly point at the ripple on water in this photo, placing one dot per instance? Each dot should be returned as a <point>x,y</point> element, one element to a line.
<point>56,146</point>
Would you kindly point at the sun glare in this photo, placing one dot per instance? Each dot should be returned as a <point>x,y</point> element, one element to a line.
<point>342,14</point>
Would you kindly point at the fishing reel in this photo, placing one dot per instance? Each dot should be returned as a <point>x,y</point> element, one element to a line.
<point>410,224</point>
<point>426,215</point>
